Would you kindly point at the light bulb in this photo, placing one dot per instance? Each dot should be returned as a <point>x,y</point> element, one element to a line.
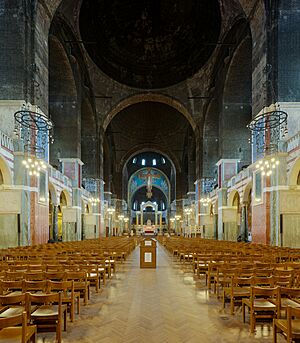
<point>272,159</point>
<point>257,166</point>
<point>36,163</point>
<point>27,166</point>
<point>277,162</point>
<point>29,160</point>
<point>270,172</point>
<point>24,162</point>
<point>30,173</point>
<point>273,166</point>
<point>262,168</point>
<point>263,173</point>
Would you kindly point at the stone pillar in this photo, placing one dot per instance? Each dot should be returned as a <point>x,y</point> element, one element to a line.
<point>55,223</point>
<point>160,222</point>
<point>137,219</point>
<point>156,214</point>
<point>244,228</point>
<point>222,201</point>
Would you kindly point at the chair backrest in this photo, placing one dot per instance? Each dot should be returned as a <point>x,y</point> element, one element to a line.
<point>43,298</point>
<point>63,286</point>
<point>6,286</point>
<point>34,276</point>
<point>35,286</point>
<point>55,276</point>
<point>12,299</point>
<point>262,292</point>
<point>292,313</point>
<point>13,320</point>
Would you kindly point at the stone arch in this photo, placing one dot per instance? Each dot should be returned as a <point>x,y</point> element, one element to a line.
<point>130,154</point>
<point>168,195</point>
<point>233,197</point>
<point>63,103</point>
<point>151,97</point>
<point>247,192</point>
<point>237,104</point>
<point>293,174</point>
<point>53,193</point>
<point>89,139</point>
<point>6,172</point>
<point>211,140</point>
<point>67,196</point>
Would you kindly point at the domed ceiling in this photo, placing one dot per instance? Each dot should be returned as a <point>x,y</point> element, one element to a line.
<point>150,43</point>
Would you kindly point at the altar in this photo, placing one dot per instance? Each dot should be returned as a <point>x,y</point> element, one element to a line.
<point>149,229</point>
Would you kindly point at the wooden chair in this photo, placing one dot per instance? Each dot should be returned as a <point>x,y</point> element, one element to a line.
<point>289,327</point>
<point>68,295</point>
<point>239,289</point>
<point>11,333</point>
<point>286,297</point>
<point>48,316</point>
<point>12,305</point>
<point>81,284</point>
<point>259,305</point>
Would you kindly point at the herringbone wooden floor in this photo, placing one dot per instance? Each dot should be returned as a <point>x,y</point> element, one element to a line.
<point>163,305</point>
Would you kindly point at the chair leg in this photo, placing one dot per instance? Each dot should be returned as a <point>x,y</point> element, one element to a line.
<point>274,332</point>
<point>78,305</point>
<point>243,312</point>
<point>232,305</point>
<point>252,321</point>
<point>72,311</point>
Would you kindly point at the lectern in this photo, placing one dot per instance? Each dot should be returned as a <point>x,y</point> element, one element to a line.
<point>148,253</point>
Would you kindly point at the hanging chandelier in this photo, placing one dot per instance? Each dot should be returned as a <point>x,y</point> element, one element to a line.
<point>36,132</point>
<point>267,129</point>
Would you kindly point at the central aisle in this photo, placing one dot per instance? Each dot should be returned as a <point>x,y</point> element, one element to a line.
<point>158,305</point>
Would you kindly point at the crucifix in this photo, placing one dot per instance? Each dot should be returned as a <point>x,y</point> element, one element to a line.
<point>148,178</point>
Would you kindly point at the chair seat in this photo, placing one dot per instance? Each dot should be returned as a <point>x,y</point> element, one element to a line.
<point>241,291</point>
<point>260,304</point>
<point>12,311</point>
<point>282,325</point>
<point>47,311</point>
<point>14,334</point>
<point>289,302</point>
<point>263,304</point>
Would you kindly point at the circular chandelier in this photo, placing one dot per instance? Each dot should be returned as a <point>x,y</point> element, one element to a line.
<point>268,129</point>
<point>36,132</point>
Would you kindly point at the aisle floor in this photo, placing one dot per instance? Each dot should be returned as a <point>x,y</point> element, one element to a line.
<point>163,305</point>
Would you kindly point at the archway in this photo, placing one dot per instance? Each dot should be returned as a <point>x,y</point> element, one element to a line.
<point>293,175</point>
<point>149,97</point>
<point>63,103</point>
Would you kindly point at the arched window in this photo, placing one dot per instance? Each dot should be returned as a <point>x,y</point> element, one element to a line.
<point>298,179</point>
<point>143,162</point>
<point>134,160</point>
<point>163,161</point>
<point>1,178</point>
<point>163,206</point>
<point>154,162</point>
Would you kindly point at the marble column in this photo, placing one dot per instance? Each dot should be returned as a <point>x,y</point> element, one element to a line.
<point>55,223</point>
